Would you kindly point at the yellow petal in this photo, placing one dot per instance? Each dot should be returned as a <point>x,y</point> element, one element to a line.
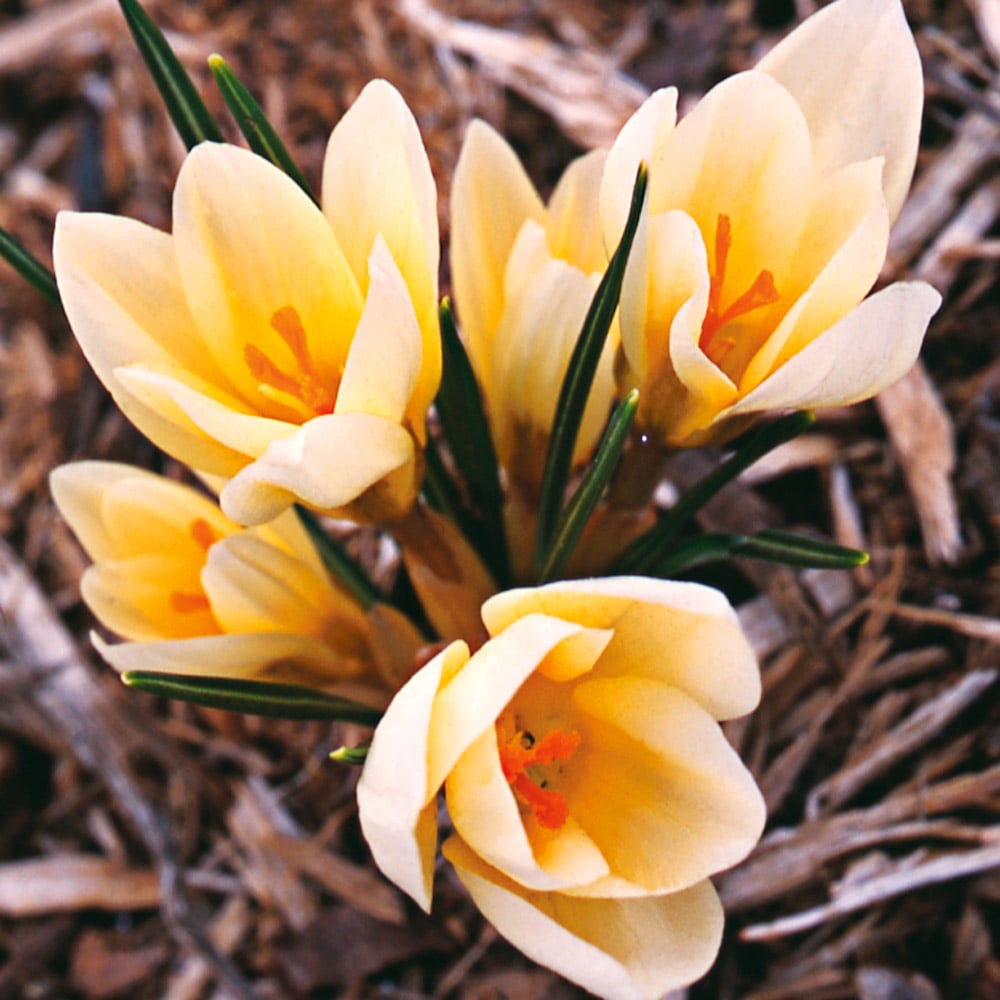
<point>838,262</point>
<point>619,949</point>
<point>255,587</point>
<point>644,137</point>
<point>855,71</point>
<point>249,242</point>
<point>485,814</point>
<point>396,796</point>
<point>872,347</point>
<point>745,152</point>
<point>682,634</point>
<point>656,786</point>
<point>377,180</point>
<point>491,199</point>
<point>327,463</point>
<point>574,222</point>
<point>470,702</point>
<point>384,361</point>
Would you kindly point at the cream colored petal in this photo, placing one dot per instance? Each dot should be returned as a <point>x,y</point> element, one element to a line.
<point>872,347</point>
<point>657,787</point>
<point>574,222</point>
<point>249,243</point>
<point>255,587</point>
<point>683,634</point>
<point>838,262</point>
<point>485,814</point>
<point>397,801</point>
<point>471,702</point>
<point>275,657</point>
<point>327,463</point>
<point>644,137</point>
<point>384,361</point>
<point>491,199</point>
<point>855,71</point>
<point>744,152</point>
<point>187,406</point>
<point>377,180</point>
<point>619,949</point>
<point>122,292</point>
<point>535,339</point>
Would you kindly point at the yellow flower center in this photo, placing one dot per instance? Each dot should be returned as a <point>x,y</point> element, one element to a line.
<point>205,536</point>
<point>523,760</point>
<point>305,382</point>
<point>761,292</point>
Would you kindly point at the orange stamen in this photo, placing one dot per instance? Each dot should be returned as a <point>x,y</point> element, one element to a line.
<point>185,604</point>
<point>762,292</point>
<point>520,753</point>
<point>203,533</point>
<point>305,384</point>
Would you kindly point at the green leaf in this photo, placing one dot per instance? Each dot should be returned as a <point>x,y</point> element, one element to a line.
<point>646,551</point>
<point>340,565</point>
<point>250,118</point>
<point>772,545</point>
<point>580,376</point>
<point>351,755</point>
<point>35,273</point>
<point>186,108</point>
<point>588,493</point>
<point>277,701</point>
<point>462,416</point>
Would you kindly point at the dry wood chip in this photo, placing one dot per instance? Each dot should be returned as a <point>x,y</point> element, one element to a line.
<point>579,87</point>
<point>912,734</point>
<point>974,626</point>
<point>987,14</point>
<point>104,966</point>
<point>924,439</point>
<point>50,33</point>
<point>74,882</point>
<point>887,984</point>
<point>907,875</point>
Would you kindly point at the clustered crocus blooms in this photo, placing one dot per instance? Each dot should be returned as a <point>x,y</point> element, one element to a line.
<point>251,342</point>
<point>768,222</point>
<point>191,592</point>
<point>590,787</point>
<point>289,353</point>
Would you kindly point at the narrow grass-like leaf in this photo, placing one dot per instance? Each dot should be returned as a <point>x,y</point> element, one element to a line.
<point>186,108</point>
<point>462,416</point>
<point>35,273</point>
<point>351,755</point>
<point>581,505</point>
<point>277,701</point>
<point>772,545</point>
<point>647,550</point>
<point>257,130</point>
<point>580,376</point>
<point>340,565</point>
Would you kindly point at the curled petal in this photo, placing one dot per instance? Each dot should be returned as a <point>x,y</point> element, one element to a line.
<point>328,463</point>
<point>620,949</point>
<point>397,795</point>
<point>682,634</point>
<point>872,347</point>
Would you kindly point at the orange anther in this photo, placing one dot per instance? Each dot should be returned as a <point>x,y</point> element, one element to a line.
<point>185,604</point>
<point>203,533</point>
<point>522,752</point>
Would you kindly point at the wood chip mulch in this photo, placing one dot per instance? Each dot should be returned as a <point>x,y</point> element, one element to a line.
<point>153,850</point>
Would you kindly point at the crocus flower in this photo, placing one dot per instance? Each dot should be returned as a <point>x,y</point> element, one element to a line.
<point>591,789</point>
<point>524,275</point>
<point>768,221</point>
<point>292,349</point>
<point>191,592</point>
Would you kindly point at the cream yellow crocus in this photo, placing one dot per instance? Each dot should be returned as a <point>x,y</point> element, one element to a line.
<point>591,789</point>
<point>768,220</point>
<point>524,274</point>
<point>191,592</point>
<point>293,349</point>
